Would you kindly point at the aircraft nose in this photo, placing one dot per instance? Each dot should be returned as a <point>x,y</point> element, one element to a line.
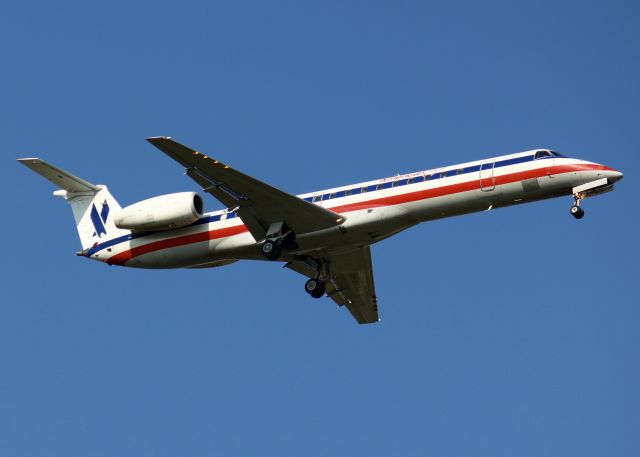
<point>614,176</point>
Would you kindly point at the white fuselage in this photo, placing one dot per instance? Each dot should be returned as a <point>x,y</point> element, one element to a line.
<point>373,211</point>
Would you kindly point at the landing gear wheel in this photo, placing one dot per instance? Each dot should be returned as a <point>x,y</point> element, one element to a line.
<point>314,287</point>
<point>271,250</point>
<point>577,212</point>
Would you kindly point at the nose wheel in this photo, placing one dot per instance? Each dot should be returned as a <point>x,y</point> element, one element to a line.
<point>576,211</point>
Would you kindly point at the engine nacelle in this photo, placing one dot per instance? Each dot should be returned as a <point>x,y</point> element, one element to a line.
<point>161,213</point>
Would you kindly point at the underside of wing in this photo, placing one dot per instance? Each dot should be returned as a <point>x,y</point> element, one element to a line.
<point>258,204</point>
<point>349,280</point>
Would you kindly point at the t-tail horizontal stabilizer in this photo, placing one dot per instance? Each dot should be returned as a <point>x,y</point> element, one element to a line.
<point>63,179</point>
<point>93,205</point>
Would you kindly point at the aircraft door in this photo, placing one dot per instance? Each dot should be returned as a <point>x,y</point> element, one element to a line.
<point>486,177</point>
<point>549,161</point>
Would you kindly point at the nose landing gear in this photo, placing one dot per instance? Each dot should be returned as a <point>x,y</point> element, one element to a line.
<point>576,211</point>
<point>590,189</point>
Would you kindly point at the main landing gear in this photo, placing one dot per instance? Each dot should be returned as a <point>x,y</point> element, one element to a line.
<point>314,287</point>
<point>278,236</point>
<point>271,249</point>
<point>576,211</point>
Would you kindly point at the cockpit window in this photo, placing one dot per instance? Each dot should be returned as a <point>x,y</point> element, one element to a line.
<point>543,155</point>
<point>556,154</point>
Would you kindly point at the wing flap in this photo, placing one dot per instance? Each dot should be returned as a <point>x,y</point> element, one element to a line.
<point>350,283</point>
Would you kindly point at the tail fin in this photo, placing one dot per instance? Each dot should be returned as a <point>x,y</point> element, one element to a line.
<point>93,206</point>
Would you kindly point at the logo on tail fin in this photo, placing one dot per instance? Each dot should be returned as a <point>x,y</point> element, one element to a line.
<point>99,219</point>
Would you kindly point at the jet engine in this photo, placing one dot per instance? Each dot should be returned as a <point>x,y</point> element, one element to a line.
<point>164,212</point>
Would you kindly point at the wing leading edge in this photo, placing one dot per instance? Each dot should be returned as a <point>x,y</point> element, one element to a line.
<point>258,204</point>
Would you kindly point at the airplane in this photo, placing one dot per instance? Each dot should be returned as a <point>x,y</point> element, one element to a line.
<point>326,235</point>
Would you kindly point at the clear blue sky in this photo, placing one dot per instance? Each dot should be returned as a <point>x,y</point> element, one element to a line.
<point>510,333</point>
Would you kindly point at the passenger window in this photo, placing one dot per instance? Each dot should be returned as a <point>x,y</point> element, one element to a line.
<point>460,171</point>
<point>317,198</point>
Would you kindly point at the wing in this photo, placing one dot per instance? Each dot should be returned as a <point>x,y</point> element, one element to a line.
<point>258,204</point>
<point>350,281</point>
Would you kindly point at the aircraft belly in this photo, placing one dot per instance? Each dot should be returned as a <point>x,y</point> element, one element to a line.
<point>242,246</point>
<point>362,227</point>
<point>174,257</point>
<point>446,206</point>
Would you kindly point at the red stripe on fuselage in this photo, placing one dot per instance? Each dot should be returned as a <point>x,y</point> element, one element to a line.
<point>465,186</point>
<point>123,257</point>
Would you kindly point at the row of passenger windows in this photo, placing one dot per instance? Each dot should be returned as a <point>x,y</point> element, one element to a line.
<point>544,154</point>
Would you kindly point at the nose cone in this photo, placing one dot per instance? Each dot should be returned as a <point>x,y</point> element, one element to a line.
<point>614,176</point>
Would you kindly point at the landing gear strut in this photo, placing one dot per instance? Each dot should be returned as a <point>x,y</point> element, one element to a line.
<point>314,287</point>
<point>575,210</point>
